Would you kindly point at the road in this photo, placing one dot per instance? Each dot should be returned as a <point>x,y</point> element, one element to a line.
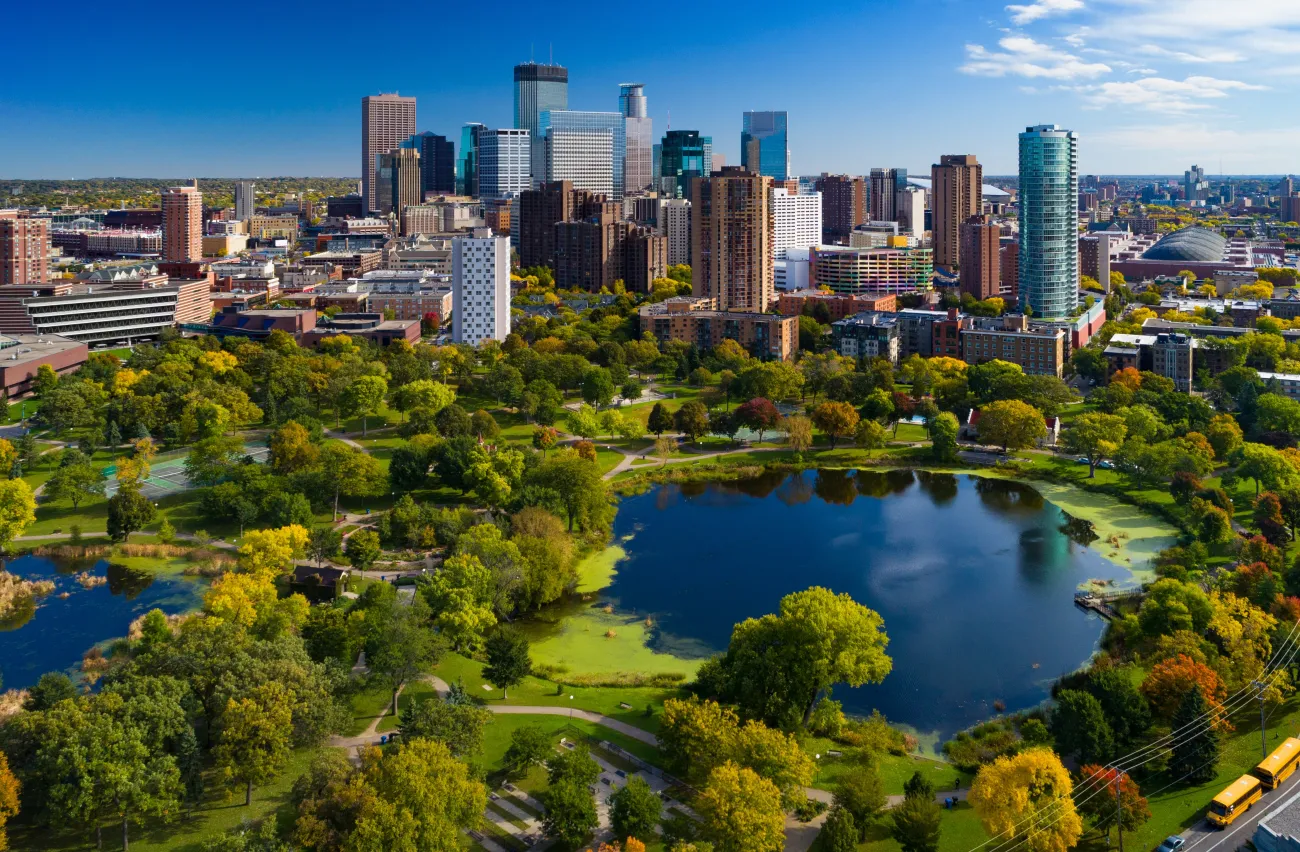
<point>1204,838</point>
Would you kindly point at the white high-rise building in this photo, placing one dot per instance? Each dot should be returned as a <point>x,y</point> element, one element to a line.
<point>798,221</point>
<point>480,296</point>
<point>910,204</point>
<point>675,224</point>
<point>245,200</point>
<point>638,160</point>
<point>504,163</point>
<point>584,157</point>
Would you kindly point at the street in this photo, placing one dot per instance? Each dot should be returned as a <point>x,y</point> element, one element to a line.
<point>1204,838</point>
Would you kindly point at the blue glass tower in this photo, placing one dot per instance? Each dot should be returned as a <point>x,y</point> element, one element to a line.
<point>683,154</point>
<point>1049,221</point>
<point>764,145</point>
<point>467,162</point>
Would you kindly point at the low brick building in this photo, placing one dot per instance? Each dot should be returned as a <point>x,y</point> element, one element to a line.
<point>21,355</point>
<point>840,305</point>
<point>766,336</point>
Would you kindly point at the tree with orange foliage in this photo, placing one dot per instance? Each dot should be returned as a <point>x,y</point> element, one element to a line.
<point>1102,810</point>
<point>1128,377</point>
<point>586,450</point>
<point>1257,584</point>
<point>1170,680</point>
<point>9,799</point>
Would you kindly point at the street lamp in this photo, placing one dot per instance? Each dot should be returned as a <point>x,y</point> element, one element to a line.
<point>570,709</point>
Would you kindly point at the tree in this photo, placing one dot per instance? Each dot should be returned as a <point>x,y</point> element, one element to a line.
<point>1172,679</point>
<point>214,459</point>
<point>661,420</point>
<point>458,726</point>
<point>254,739</point>
<point>835,420</point>
<point>529,746</point>
<point>585,422</point>
<point>575,764</point>
<point>598,386</point>
<point>1011,423</point>
<point>861,793</point>
<point>363,549</point>
<point>75,480</point>
<point>1224,435</point>
<point>839,833</point>
<point>432,397</point>
<point>460,596</point>
<point>364,396</point>
<point>52,688</point>
<point>1171,605</point>
<point>508,662</point>
<point>1196,751</point>
<point>758,415</point>
<point>798,431</point>
<point>1080,727</point>
<point>292,449</point>
<point>9,789</point>
<point>916,824</point>
<point>128,511</point>
<point>1095,435</point>
<point>1127,711</point>
<point>870,435</point>
<point>453,422</point>
<point>17,510</point>
<point>943,437</point>
<point>1269,520</point>
<point>1122,802</point>
<point>422,798</point>
<point>578,482</point>
<point>741,811</point>
<point>484,425</point>
<point>1268,467</point>
<point>634,810</point>
<point>570,812</point>
<point>1026,797</point>
<point>348,471</point>
<point>692,419</point>
<point>401,648</point>
<point>545,437</point>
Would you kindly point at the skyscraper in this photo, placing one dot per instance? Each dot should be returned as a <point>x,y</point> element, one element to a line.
<point>503,163</point>
<point>956,194</point>
<point>639,136</point>
<point>981,264</point>
<point>540,209</point>
<point>844,206</point>
<point>797,221</point>
<point>584,147</point>
<point>764,146</point>
<point>731,239</point>
<point>683,154</point>
<point>1195,186</point>
<point>24,249</point>
<point>437,162</point>
<point>182,218</point>
<point>480,294</point>
<point>386,121</point>
<point>397,181</point>
<point>467,165</point>
<point>538,88</point>
<point>886,185</point>
<point>675,224</point>
<point>1049,221</point>
<point>245,200</point>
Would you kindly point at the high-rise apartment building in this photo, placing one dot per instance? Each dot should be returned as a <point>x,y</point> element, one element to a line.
<point>597,251</point>
<point>956,194</point>
<point>639,136</point>
<point>182,216</point>
<point>683,155</point>
<point>1049,221</point>
<point>909,203</point>
<point>981,266</point>
<point>886,186</point>
<point>503,163</point>
<point>539,211</point>
<point>437,162</point>
<point>731,239</point>
<point>398,181</point>
<point>797,221</point>
<point>764,144</point>
<point>844,206</point>
<point>24,249</point>
<point>539,89</point>
<point>386,121</point>
<point>480,293</point>
<point>245,200</point>
<point>467,163</point>
<point>675,224</point>
<point>587,148</point>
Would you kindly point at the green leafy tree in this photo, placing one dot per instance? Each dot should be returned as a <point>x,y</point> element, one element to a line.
<point>598,387</point>
<point>692,419</point>
<point>52,688</point>
<point>364,396</point>
<point>1095,436</point>
<point>861,793</point>
<point>214,459</point>
<point>402,647</point>
<point>128,511</point>
<point>840,832</point>
<point>661,420</point>
<point>254,737</point>
<point>943,437</point>
<point>1080,727</point>
<point>459,726</point>
<point>75,480</point>
<point>508,662</point>
<point>1196,751</point>
<point>634,810</point>
<point>417,797</point>
<point>570,812</point>
<point>575,764</point>
<point>324,543</point>
<point>529,746</point>
<point>741,811</point>
<point>363,549</point>
<point>1012,424</point>
<point>346,471</point>
<point>578,484</point>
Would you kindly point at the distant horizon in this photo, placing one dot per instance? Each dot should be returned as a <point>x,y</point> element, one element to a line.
<point>917,173</point>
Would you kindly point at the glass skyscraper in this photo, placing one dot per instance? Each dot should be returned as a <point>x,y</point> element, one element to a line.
<point>764,145</point>
<point>467,162</point>
<point>637,174</point>
<point>1049,221</point>
<point>538,88</point>
<point>683,154</point>
<point>574,130</point>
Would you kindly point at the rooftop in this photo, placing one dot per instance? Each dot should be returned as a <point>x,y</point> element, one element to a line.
<point>21,348</point>
<point>1194,244</point>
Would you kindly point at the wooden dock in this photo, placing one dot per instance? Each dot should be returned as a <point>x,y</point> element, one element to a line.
<point>1102,603</point>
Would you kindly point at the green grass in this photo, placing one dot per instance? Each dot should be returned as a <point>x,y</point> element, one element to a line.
<point>959,831</point>
<point>367,704</point>
<point>894,769</point>
<point>497,732</point>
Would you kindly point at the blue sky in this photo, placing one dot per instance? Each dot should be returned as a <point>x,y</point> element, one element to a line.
<point>148,89</point>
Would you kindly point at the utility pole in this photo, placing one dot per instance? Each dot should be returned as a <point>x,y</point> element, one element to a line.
<point>1263,738</point>
<point>1119,810</point>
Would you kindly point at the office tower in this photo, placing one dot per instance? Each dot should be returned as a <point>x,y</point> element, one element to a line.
<point>397,181</point>
<point>956,194</point>
<point>844,206</point>
<point>467,164</point>
<point>981,265</point>
<point>796,221</point>
<point>598,250</point>
<point>1195,186</point>
<point>1049,221</point>
<point>909,204</point>
<point>437,163</point>
<point>886,185</point>
<point>675,224</point>
<point>731,239</point>
<point>683,155</point>
<point>585,147</point>
<point>639,136</point>
<point>539,211</point>
<point>539,89</point>
<point>386,120</point>
<point>24,249</point>
<point>480,293</point>
<point>503,163</point>
<point>764,146</point>
<point>182,218</point>
<point>245,200</point>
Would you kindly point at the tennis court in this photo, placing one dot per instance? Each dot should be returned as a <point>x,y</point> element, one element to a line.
<point>167,472</point>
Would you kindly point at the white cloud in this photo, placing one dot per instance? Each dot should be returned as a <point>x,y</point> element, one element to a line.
<point>1158,94</point>
<point>1021,56</point>
<point>1189,20</point>
<point>1042,9</point>
<point>1215,55</point>
<point>1129,149</point>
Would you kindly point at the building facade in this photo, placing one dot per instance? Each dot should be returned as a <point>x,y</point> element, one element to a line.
<point>981,265</point>
<point>956,194</point>
<point>182,214</point>
<point>886,186</point>
<point>584,148</point>
<point>504,168</point>
<point>125,311</point>
<point>437,163</point>
<point>24,249</point>
<point>245,199</point>
<point>638,161</point>
<point>675,225</point>
<point>731,240</point>
<point>467,162</point>
<point>764,144</point>
<point>844,206</point>
<point>765,336</point>
<point>1049,221</point>
<point>867,271</point>
<point>398,181</point>
<point>683,156</point>
<point>797,221</point>
<point>1010,338</point>
<point>867,335</point>
<point>1171,357</point>
<point>837,306</point>
<point>538,88</point>
<point>480,288</point>
<point>386,121</point>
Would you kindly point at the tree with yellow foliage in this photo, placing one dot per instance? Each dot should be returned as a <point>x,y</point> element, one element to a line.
<point>273,552</point>
<point>1026,797</point>
<point>9,788</point>
<point>252,602</point>
<point>742,811</point>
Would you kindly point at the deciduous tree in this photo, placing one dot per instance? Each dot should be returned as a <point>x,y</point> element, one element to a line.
<point>254,739</point>
<point>835,420</point>
<point>741,811</point>
<point>508,662</point>
<point>1095,436</point>
<point>634,810</point>
<point>1026,797</point>
<point>758,415</point>
<point>1011,423</point>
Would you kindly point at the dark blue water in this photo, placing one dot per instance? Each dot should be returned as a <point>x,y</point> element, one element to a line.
<point>974,578</point>
<point>57,632</point>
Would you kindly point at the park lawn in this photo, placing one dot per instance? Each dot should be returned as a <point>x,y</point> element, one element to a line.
<point>959,831</point>
<point>382,442</point>
<point>496,739</point>
<point>909,432</point>
<point>606,700</point>
<point>895,769</point>
<point>368,702</point>
<point>413,693</point>
<point>382,418</point>
<point>214,816</point>
<point>607,460</point>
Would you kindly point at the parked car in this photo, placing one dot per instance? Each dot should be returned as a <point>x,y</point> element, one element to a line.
<point>1170,843</point>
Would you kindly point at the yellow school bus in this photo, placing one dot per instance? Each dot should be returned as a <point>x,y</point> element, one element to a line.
<point>1235,801</point>
<point>1279,765</point>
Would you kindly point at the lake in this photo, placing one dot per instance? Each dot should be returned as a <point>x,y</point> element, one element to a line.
<point>57,632</point>
<point>974,578</point>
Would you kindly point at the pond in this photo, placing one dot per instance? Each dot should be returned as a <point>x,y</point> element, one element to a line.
<point>974,578</point>
<point>55,633</point>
